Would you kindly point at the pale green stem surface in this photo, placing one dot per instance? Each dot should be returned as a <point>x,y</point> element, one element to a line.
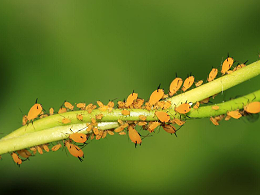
<point>51,129</point>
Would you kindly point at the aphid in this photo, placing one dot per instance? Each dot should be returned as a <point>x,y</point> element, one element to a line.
<point>51,111</point>
<point>205,101</point>
<point>142,117</point>
<point>93,122</point>
<point>148,106</point>
<point>121,128</point>
<point>92,136</point>
<point>253,107</point>
<point>138,103</point>
<point>81,106</point>
<point>156,96</point>
<point>66,121</point>
<point>196,106</point>
<point>95,130</point>
<point>215,107</point>
<point>79,137</point>
<point>45,147</point>
<point>110,132</point>
<point>125,112</point>
<point>90,107</point>
<point>214,121</point>
<point>188,83</point>
<point>99,116</point>
<point>169,128</point>
<point>35,111</point>
<point>152,126</point>
<point>234,114</point>
<point>122,133</point>
<point>16,159</point>
<point>183,108</point>
<point>104,134</point>
<point>162,116</point>
<point>177,121</point>
<point>80,117</point>
<point>130,99</point>
<point>199,83</point>
<point>43,115</point>
<point>25,120</point>
<point>212,75</point>
<point>74,150</point>
<point>24,153</point>
<point>62,110</point>
<point>227,65</point>
<point>110,106</point>
<point>220,117</point>
<point>68,105</point>
<point>120,104</point>
<point>102,107</point>
<point>175,86</point>
<point>239,66</point>
<point>34,150</point>
<point>227,118</point>
<point>56,147</point>
<point>134,135</point>
<point>89,127</point>
<point>141,123</point>
<point>39,149</point>
<point>167,105</point>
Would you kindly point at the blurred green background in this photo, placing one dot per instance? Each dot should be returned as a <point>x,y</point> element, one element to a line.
<point>99,50</point>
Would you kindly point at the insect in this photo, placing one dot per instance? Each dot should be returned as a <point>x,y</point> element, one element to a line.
<point>102,107</point>
<point>227,65</point>
<point>215,107</point>
<point>56,147</point>
<point>152,126</point>
<point>199,83</point>
<point>110,132</point>
<point>239,66</point>
<point>138,103</point>
<point>74,150</point>
<point>177,121</point>
<point>39,149</point>
<point>34,150</point>
<point>78,137</point>
<point>183,108</point>
<point>234,114</point>
<point>68,105</point>
<point>142,117</point>
<point>134,135</point>
<point>80,117</point>
<point>35,111</point>
<point>214,121</point>
<point>90,107</point>
<point>156,96</point>
<point>120,104</point>
<point>51,111</point>
<point>45,147</point>
<point>16,159</point>
<point>196,106</point>
<point>253,107</point>
<point>162,116</point>
<point>66,121</point>
<point>188,83</point>
<point>130,99</point>
<point>205,101</point>
<point>81,106</point>
<point>25,120</point>
<point>95,130</point>
<point>169,128</point>
<point>212,75</point>
<point>125,112</point>
<point>99,116</point>
<point>62,110</point>
<point>24,153</point>
<point>175,86</point>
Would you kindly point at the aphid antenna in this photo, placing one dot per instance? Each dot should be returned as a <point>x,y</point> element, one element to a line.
<point>36,100</point>
<point>158,87</point>
<point>245,62</point>
<point>176,74</point>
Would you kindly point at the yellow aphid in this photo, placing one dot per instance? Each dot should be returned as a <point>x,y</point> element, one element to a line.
<point>34,112</point>
<point>90,107</point>
<point>227,65</point>
<point>66,121</point>
<point>130,99</point>
<point>205,101</point>
<point>120,122</point>
<point>92,136</point>
<point>99,116</point>
<point>199,83</point>
<point>253,107</point>
<point>162,116</point>
<point>239,66</point>
<point>121,128</point>
<point>93,122</point>
<point>134,135</point>
<point>95,130</point>
<point>104,134</point>
<point>183,108</point>
<point>229,71</point>
<point>152,126</point>
<point>156,96</point>
<point>102,107</point>
<point>234,114</point>
<point>78,137</point>
<point>122,133</point>
<point>81,106</point>
<point>89,127</point>
<point>62,110</point>
<point>39,149</point>
<point>34,150</point>
<point>227,118</point>
<point>16,159</point>
<point>110,132</point>
<point>138,103</point>
<point>45,147</point>
<point>188,83</point>
<point>43,115</point>
<point>214,121</point>
<point>68,105</point>
<point>125,112</point>
<point>56,147</point>
<point>215,107</point>
<point>220,117</point>
<point>196,106</point>
<point>175,86</point>
<point>25,120</point>
<point>142,117</point>
<point>100,104</point>
<point>51,111</point>
<point>80,117</point>
<point>120,104</point>
<point>167,105</point>
<point>24,153</point>
<point>169,128</point>
<point>98,137</point>
<point>212,75</point>
<point>177,121</point>
<point>74,150</point>
<point>148,106</point>
<point>141,123</point>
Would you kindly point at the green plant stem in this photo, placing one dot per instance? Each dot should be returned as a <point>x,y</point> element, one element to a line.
<point>51,129</point>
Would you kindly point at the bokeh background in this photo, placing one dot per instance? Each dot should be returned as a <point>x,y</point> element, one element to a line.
<point>99,50</point>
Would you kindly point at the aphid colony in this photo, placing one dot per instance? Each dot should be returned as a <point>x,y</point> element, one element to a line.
<point>157,102</point>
